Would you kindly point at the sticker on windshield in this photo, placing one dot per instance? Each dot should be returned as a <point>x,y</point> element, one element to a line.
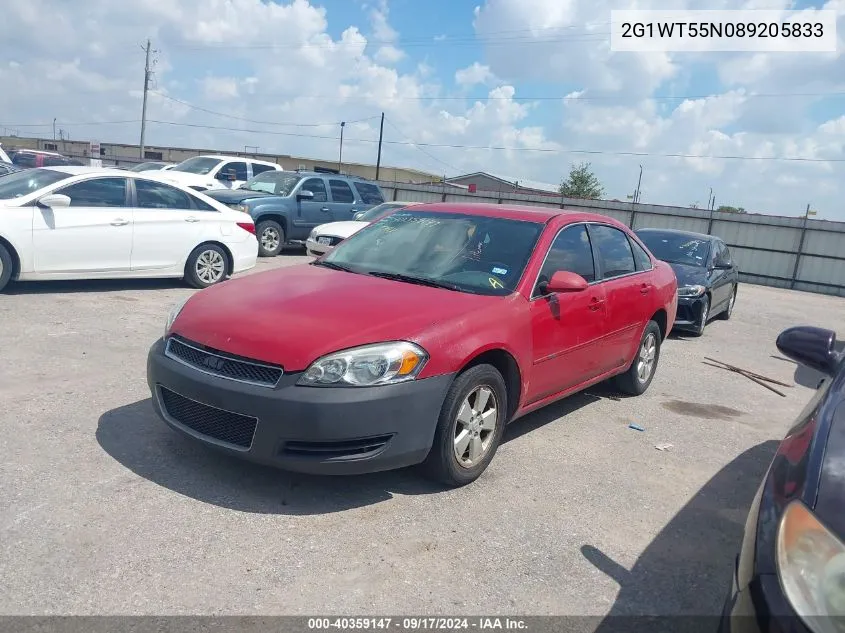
<point>500,271</point>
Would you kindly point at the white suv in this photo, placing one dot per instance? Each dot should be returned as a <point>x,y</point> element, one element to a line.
<point>217,172</point>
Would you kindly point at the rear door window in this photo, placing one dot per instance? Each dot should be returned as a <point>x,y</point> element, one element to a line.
<point>370,193</point>
<point>341,192</point>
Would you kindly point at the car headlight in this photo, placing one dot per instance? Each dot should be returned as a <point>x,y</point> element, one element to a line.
<point>691,291</point>
<point>366,366</point>
<point>173,314</point>
<point>312,235</point>
<point>811,567</point>
<point>243,208</point>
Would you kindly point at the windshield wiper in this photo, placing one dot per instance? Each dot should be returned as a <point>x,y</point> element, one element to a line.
<point>420,281</point>
<point>333,266</point>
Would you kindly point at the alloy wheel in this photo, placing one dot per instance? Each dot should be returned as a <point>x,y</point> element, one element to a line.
<point>270,239</point>
<point>210,267</point>
<point>647,357</point>
<point>475,427</point>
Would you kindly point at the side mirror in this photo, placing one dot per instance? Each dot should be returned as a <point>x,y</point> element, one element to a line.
<point>565,281</point>
<point>304,194</point>
<point>813,347</point>
<point>54,201</point>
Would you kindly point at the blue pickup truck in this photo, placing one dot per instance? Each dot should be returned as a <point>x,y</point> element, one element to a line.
<point>287,205</point>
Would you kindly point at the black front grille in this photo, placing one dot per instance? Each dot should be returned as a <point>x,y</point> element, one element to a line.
<point>347,448</point>
<point>232,428</point>
<point>222,365</point>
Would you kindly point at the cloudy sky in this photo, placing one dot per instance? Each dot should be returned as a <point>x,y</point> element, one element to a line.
<point>521,88</point>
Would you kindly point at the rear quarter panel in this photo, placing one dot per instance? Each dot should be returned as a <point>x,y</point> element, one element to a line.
<point>666,295</point>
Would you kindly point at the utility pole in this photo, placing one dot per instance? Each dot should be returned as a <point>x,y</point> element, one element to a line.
<point>380,136</point>
<point>639,182</point>
<point>144,106</point>
<point>54,128</point>
<point>340,156</point>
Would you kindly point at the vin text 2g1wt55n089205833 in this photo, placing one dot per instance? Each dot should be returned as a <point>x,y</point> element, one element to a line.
<point>415,340</point>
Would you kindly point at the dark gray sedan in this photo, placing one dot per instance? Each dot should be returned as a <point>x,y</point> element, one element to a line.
<point>708,279</point>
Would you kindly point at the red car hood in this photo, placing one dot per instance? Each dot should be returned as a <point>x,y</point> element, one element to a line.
<point>292,316</point>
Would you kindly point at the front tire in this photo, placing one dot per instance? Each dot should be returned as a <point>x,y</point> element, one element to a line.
<point>703,316</point>
<point>636,380</point>
<point>470,427</point>
<point>271,238</point>
<point>726,314</point>
<point>5,266</point>
<point>206,266</point>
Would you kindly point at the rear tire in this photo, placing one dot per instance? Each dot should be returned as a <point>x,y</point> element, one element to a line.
<point>464,442</point>
<point>207,265</point>
<point>726,314</point>
<point>5,267</point>
<point>636,380</point>
<point>271,238</point>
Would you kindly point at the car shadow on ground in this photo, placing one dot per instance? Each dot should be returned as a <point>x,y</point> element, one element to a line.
<point>685,572</point>
<point>134,436</point>
<point>94,285</point>
<point>806,376</point>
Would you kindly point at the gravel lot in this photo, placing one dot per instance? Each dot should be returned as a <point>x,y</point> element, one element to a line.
<point>104,510</point>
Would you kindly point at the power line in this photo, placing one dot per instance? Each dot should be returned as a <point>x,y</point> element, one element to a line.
<point>545,150</point>
<point>238,118</point>
<point>66,124</point>
<point>429,154</point>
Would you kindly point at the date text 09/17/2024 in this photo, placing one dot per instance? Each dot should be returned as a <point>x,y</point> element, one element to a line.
<point>416,623</point>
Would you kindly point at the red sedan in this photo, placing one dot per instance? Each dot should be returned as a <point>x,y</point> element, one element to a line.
<point>415,341</point>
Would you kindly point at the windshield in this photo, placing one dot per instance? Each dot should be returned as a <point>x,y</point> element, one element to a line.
<point>677,248</point>
<point>273,182</point>
<point>198,165</point>
<point>470,253</point>
<point>371,215</point>
<point>147,167</point>
<point>22,183</point>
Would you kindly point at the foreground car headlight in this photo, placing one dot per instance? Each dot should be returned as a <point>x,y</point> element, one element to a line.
<point>370,365</point>
<point>811,567</point>
<point>173,314</point>
<point>242,207</point>
<point>691,291</point>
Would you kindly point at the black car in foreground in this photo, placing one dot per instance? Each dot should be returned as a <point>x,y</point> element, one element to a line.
<point>707,277</point>
<point>790,572</point>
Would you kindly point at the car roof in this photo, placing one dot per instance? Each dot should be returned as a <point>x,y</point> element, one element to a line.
<point>224,157</point>
<point>540,215</point>
<point>34,151</point>
<point>83,170</point>
<point>679,232</point>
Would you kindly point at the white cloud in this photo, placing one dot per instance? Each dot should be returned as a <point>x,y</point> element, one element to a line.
<point>474,74</point>
<point>278,63</point>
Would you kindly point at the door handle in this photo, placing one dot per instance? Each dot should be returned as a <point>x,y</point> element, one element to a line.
<point>645,289</point>
<point>325,209</point>
<point>191,219</point>
<point>120,222</point>
<point>595,304</point>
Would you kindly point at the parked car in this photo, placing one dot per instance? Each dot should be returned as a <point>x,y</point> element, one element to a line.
<point>30,158</point>
<point>153,165</point>
<point>217,172</point>
<point>8,168</point>
<point>89,223</point>
<point>287,206</point>
<point>415,340</point>
<point>326,236</point>
<point>790,572</point>
<point>708,279</point>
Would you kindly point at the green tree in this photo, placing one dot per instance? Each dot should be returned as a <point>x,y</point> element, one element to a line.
<point>582,183</point>
<point>728,209</point>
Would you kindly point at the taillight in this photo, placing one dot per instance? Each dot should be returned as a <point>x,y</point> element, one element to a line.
<point>247,226</point>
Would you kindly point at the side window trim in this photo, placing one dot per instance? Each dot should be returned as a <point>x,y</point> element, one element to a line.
<point>634,241</point>
<point>533,296</point>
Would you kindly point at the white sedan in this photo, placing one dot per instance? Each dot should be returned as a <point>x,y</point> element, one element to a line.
<point>91,223</point>
<point>325,237</point>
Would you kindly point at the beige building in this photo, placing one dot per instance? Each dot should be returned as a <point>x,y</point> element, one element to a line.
<point>120,155</point>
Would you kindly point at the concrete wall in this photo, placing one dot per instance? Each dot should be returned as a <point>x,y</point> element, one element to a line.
<point>117,154</point>
<point>770,250</point>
